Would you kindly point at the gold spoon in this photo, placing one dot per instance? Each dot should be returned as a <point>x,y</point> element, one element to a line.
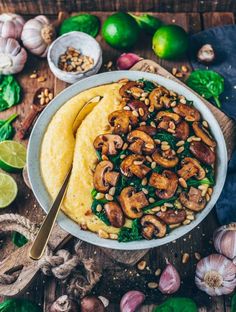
<point>45,230</point>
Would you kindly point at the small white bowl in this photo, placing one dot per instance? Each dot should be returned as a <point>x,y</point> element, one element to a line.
<point>80,41</point>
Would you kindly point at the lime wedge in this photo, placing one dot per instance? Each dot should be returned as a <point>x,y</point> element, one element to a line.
<point>12,156</point>
<point>8,190</point>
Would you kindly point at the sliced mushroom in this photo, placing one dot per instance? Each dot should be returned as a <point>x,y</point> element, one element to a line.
<point>190,113</point>
<point>155,96</point>
<point>104,177</point>
<point>175,117</point>
<point>140,108</point>
<point>108,143</point>
<point>191,168</point>
<point>125,90</point>
<point>148,129</point>
<point>141,142</point>
<point>121,120</point>
<point>133,165</point>
<point>167,159</point>
<point>152,227</point>
<point>182,131</point>
<point>114,214</point>
<point>203,152</point>
<point>202,133</point>
<point>166,183</point>
<point>172,216</point>
<point>193,200</point>
<point>132,203</point>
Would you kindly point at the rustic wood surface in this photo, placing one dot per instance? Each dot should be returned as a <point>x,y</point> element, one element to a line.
<point>118,278</point>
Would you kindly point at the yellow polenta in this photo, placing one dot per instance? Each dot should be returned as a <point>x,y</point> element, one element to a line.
<point>60,148</point>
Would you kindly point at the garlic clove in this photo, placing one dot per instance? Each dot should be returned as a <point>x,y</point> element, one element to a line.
<point>169,281</point>
<point>225,240</point>
<point>127,60</point>
<point>131,301</point>
<point>206,54</point>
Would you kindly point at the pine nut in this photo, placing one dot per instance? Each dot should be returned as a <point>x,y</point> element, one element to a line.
<point>153,165</point>
<point>99,196</point>
<point>169,205</point>
<point>197,255</point>
<point>184,69</point>
<point>125,146</point>
<point>144,181</point>
<point>205,123</point>
<point>138,162</point>
<point>33,76</point>
<point>135,113</point>
<point>112,191</point>
<point>152,123</point>
<point>173,226</point>
<point>170,130</point>
<point>156,209</point>
<point>173,104</point>
<point>210,191</point>
<point>113,236</point>
<point>122,156</point>
<point>174,71</point>
<point>143,123</point>
<point>183,101</point>
<point>190,217</point>
<point>189,118</point>
<point>164,143</point>
<point>99,208</point>
<point>158,272</point>
<point>172,125</point>
<point>127,108</point>
<point>108,197</point>
<point>152,285</point>
<point>151,109</point>
<point>142,265</point>
<point>185,258</point>
<point>141,112</point>
<point>157,141</point>
<point>144,94</point>
<point>180,143</point>
<point>208,197</point>
<point>149,145</point>
<point>180,150</point>
<point>103,234</point>
<point>165,147</point>
<point>149,159</point>
<point>163,208</point>
<point>186,222</point>
<point>145,191</point>
<point>196,139</point>
<point>50,95</point>
<point>41,79</point>
<point>146,101</point>
<point>151,200</point>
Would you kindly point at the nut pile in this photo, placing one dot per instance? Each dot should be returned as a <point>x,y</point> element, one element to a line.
<point>73,61</point>
<point>45,96</point>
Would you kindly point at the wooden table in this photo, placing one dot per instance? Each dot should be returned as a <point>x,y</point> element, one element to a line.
<point>117,279</point>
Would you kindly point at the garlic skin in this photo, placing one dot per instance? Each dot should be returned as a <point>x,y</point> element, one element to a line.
<point>37,35</point>
<point>127,60</point>
<point>216,275</point>
<point>206,54</point>
<point>225,241</point>
<point>131,301</point>
<point>11,25</point>
<point>64,304</point>
<point>12,56</point>
<point>169,281</point>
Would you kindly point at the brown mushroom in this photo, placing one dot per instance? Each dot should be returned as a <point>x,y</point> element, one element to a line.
<point>175,117</point>
<point>203,152</point>
<point>155,96</point>
<point>114,214</point>
<point>148,129</point>
<point>172,216</point>
<point>126,89</point>
<point>133,165</point>
<point>141,142</point>
<point>104,177</point>
<point>140,108</point>
<point>108,143</point>
<point>190,113</point>
<point>193,200</point>
<point>152,227</point>
<point>132,203</point>
<point>182,131</point>
<point>167,159</point>
<point>191,168</point>
<point>166,183</point>
<point>121,120</point>
<point>202,133</point>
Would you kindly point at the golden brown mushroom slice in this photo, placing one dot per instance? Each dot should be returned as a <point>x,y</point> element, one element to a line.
<point>191,168</point>
<point>128,89</point>
<point>175,117</point>
<point>133,165</point>
<point>104,177</point>
<point>121,120</point>
<point>203,152</point>
<point>166,159</point>
<point>140,108</point>
<point>156,95</point>
<point>166,183</point>
<point>182,130</point>
<point>150,130</point>
<point>172,216</point>
<point>202,133</point>
<point>114,214</point>
<point>141,142</point>
<point>132,203</point>
<point>193,200</point>
<point>190,113</point>
<point>109,144</point>
<point>152,227</point>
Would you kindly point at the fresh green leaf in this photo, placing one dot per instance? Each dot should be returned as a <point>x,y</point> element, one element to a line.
<point>147,22</point>
<point>130,234</point>
<point>164,136</point>
<point>196,183</point>
<point>177,304</point>
<point>9,92</point>
<point>233,304</point>
<point>94,193</point>
<point>18,239</point>
<point>6,129</point>
<point>160,202</point>
<point>18,305</point>
<point>100,214</point>
<point>99,155</point>
<point>86,23</point>
<point>207,83</point>
<point>148,85</point>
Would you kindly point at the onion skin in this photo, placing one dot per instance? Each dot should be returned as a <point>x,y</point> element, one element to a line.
<point>170,280</point>
<point>64,304</point>
<point>131,301</point>
<point>127,60</point>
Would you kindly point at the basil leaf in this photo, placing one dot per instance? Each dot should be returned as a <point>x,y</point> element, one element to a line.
<point>148,22</point>
<point>18,305</point>
<point>9,92</point>
<point>130,234</point>
<point>18,239</point>
<point>6,129</point>
<point>177,304</point>
<point>207,83</point>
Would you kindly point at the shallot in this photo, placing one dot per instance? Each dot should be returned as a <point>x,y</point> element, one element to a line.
<point>170,280</point>
<point>127,60</point>
<point>131,301</point>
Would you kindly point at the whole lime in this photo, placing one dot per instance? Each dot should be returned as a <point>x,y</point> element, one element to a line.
<point>170,42</point>
<point>121,31</point>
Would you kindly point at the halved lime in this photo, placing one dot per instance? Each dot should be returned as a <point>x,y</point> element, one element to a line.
<point>8,190</point>
<point>12,156</point>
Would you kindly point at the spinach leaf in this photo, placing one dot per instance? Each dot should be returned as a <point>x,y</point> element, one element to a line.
<point>130,234</point>
<point>18,305</point>
<point>177,304</point>
<point>86,23</point>
<point>99,155</point>
<point>207,83</point>
<point>94,193</point>
<point>9,92</point>
<point>164,136</point>
<point>18,239</point>
<point>160,202</point>
<point>196,183</point>
<point>233,304</point>
<point>148,85</point>
<point>147,22</point>
<point>100,214</point>
<point>210,174</point>
<point>6,129</point>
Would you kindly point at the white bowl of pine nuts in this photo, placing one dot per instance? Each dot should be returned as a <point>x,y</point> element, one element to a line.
<point>74,56</point>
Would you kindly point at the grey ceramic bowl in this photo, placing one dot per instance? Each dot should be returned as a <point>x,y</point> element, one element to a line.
<point>70,226</point>
<point>80,41</point>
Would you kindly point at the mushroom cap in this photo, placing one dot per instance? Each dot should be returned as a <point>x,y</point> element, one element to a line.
<point>114,214</point>
<point>169,162</point>
<point>182,130</point>
<point>148,129</point>
<point>99,181</point>
<point>121,120</point>
<point>140,108</point>
<point>172,184</point>
<point>190,113</point>
<point>193,200</point>
<point>152,226</point>
<point>202,133</point>
<point>162,114</point>
<point>191,167</point>
<point>124,90</point>
<point>108,143</point>
<point>155,96</point>
<point>172,216</point>
<point>147,146</point>
<point>133,165</point>
<point>203,152</point>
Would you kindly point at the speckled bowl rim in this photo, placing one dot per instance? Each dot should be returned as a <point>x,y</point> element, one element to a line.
<point>65,222</point>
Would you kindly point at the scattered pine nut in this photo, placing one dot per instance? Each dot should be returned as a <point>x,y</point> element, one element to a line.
<point>152,285</point>
<point>113,236</point>
<point>180,150</point>
<point>99,208</point>
<point>186,222</point>
<point>174,71</point>
<point>158,272</point>
<point>41,79</point>
<point>184,68</point>
<point>151,200</point>
<point>108,197</point>
<point>180,143</point>
<point>99,196</point>
<point>103,234</point>
<point>112,191</point>
<point>33,76</point>
<point>197,255</point>
<point>142,265</point>
<point>185,258</point>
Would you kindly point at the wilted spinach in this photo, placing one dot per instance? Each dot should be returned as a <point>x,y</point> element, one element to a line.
<point>100,214</point>
<point>148,86</point>
<point>207,83</point>
<point>6,129</point>
<point>9,92</point>
<point>160,202</point>
<point>18,239</point>
<point>147,22</point>
<point>164,136</point>
<point>130,234</point>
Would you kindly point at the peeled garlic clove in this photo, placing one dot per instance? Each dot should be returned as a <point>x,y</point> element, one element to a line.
<point>206,54</point>
<point>216,275</point>
<point>131,301</point>
<point>127,60</point>
<point>170,280</point>
<point>225,241</point>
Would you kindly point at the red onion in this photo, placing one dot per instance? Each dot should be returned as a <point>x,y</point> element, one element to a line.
<point>127,60</point>
<point>170,280</point>
<point>131,301</point>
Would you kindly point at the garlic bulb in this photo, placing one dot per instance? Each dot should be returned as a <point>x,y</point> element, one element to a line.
<point>169,281</point>
<point>216,275</point>
<point>225,241</point>
<point>11,25</point>
<point>12,56</point>
<point>37,35</point>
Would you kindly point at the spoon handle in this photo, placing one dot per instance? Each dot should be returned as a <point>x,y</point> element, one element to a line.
<point>27,122</point>
<point>44,232</point>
